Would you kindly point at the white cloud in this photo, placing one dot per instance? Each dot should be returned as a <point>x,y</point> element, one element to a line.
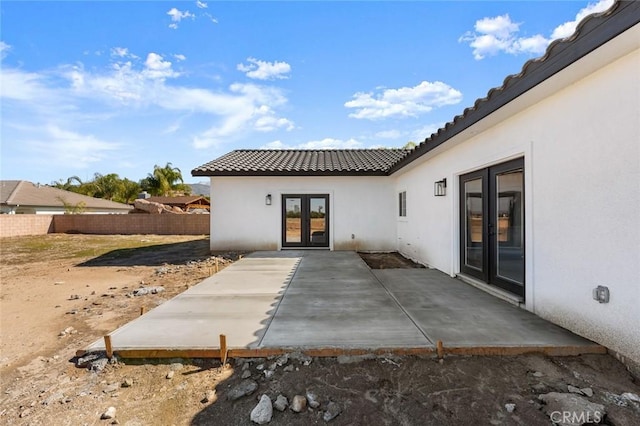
<point>4,49</point>
<point>500,35</point>
<point>179,57</point>
<point>210,17</point>
<point>269,123</point>
<point>422,133</point>
<point>403,102</point>
<point>262,70</point>
<point>568,28</point>
<point>122,52</point>
<point>71,149</point>
<point>158,68</point>
<point>389,134</point>
<point>177,16</point>
<point>201,4</point>
<point>326,143</point>
<point>72,94</point>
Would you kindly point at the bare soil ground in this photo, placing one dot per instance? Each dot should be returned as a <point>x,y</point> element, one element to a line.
<point>388,261</point>
<point>42,386</point>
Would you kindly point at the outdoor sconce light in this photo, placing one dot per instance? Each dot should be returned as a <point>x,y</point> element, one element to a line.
<point>267,200</point>
<point>440,188</point>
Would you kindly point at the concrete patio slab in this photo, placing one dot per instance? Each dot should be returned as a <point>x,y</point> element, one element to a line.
<point>449,310</point>
<point>318,300</point>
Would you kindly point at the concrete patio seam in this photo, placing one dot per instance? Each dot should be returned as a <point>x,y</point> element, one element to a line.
<point>413,321</point>
<point>275,311</point>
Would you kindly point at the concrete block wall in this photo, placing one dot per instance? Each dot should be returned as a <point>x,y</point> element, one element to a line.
<point>124,224</point>
<point>131,224</point>
<point>16,225</point>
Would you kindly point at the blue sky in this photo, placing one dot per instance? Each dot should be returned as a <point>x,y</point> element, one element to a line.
<point>118,86</point>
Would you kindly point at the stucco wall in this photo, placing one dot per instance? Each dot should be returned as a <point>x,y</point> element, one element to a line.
<point>360,206</point>
<point>581,146</point>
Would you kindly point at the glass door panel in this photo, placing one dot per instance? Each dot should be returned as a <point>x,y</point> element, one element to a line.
<point>293,220</point>
<point>318,221</point>
<point>473,224</point>
<point>509,217</point>
<point>492,225</point>
<point>305,220</point>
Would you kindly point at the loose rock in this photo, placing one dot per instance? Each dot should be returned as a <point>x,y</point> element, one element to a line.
<point>587,392</point>
<point>210,396</point>
<point>288,368</point>
<point>148,290</point>
<point>300,357</point>
<point>510,407</point>
<point>571,403</point>
<point>98,365</point>
<point>298,404</point>
<point>127,383</point>
<point>312,400</point>
<point>631,397</point>
<point>281,403</point>
<point>109,414</point>
<point>350,359</point>
<point>268,374</point>
<point>58,396</point>
<point>245,374</point>
<point>282,360</point>
<point>85,361</point>
<point>111,388</point>
<point>244,388</point>
<point>262,412</point>
<point>170,375</point>
<point>333,411</point>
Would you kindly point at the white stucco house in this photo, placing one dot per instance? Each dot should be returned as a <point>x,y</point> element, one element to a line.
<point>533,193</point>
<point>24,197</point>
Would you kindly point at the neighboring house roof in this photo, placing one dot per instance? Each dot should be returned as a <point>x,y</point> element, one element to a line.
<point>594,31</point>
<point>24,193</point>
<point>299,162</point>
<point>179,201</point>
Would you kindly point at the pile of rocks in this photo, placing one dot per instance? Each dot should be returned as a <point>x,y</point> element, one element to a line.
<point>265,369</point>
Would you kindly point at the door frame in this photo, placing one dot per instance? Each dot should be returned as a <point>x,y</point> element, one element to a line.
<point>305,218</point>
<point>488,274</point>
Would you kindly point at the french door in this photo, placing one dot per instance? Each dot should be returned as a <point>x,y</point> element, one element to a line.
<point>305,220</point>
<point>492,225</point>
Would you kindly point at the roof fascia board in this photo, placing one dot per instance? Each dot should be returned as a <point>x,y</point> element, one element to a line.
<point>285,173</point>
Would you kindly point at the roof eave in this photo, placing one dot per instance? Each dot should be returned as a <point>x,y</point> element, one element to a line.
<point>286,173</point>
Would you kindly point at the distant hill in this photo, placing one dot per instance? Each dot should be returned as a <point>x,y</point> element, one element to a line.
<point>199,189</point>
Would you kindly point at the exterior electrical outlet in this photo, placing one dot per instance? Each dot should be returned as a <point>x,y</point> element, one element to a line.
<point>601,294</point>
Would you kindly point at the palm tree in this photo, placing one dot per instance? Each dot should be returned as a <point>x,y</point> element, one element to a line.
<point>72,184</point>
<point>164,181</point>
<point>106,186</point>
<point>129,191</point>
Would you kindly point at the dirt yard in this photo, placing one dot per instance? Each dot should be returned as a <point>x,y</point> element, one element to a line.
<point>61,292</point>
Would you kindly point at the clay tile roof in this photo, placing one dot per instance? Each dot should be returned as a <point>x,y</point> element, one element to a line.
<point>263,162</point>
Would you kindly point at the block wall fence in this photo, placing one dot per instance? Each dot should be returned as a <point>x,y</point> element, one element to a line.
<point>105,224</point>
